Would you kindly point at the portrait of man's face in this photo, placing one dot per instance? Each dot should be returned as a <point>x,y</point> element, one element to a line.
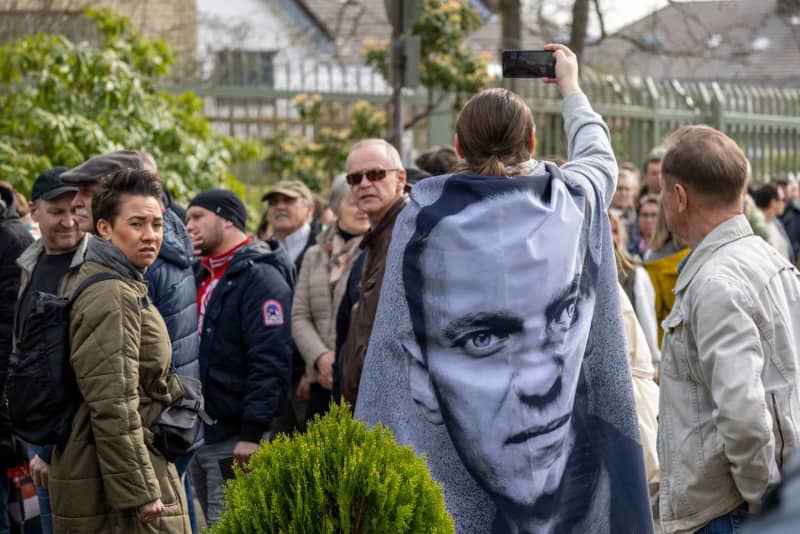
<point>506,329</point>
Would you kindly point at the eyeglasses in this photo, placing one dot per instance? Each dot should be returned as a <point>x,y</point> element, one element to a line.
<point>373,175</point>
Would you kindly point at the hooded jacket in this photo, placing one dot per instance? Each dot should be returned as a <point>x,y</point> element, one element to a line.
<point>246,343</point>
<point>172,289</point>
<point>120,353</point>
<point>477,414</point>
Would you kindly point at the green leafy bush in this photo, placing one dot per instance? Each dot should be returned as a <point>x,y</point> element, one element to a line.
<point>338,477</point>
<point>62,102</point>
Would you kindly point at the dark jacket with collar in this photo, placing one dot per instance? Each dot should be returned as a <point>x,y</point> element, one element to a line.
<point>376,243</point>
<point>14,239</point>
<point>245,356</point>
<point>171,287</point>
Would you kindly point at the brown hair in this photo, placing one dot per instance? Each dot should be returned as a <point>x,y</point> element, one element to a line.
<point>706,161</point>
<point>648,199</point>
<point>625,265</point>
<point>493,132</point>
<point>662,235</point>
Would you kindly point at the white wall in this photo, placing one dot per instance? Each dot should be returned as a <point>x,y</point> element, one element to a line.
<point>263,25</point>
<point>248,25</point>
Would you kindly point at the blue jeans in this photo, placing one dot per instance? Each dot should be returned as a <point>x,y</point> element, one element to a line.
<point>207,476</point>
<point>181,464</point>
<point>729,523</point>
<point>45,517</point>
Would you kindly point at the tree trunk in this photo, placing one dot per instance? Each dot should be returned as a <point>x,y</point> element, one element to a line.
<point>512,25</point>
<point>580,23</point>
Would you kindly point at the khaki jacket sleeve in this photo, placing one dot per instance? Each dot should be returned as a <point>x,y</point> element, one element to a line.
<point>304,334</point>
<point>105,356</point>
<point>731,360</point>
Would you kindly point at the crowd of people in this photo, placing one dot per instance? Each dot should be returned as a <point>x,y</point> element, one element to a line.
<point>577,347</point>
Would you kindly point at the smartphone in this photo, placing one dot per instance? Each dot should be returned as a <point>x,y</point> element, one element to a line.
<point>529,64</point>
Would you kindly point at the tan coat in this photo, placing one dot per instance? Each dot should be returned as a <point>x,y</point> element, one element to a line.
<point>317,296</point>
<point>120,353</point>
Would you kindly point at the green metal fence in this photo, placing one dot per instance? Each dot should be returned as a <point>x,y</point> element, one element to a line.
<point>765,121</point>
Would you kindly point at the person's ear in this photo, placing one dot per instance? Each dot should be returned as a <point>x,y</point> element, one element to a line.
<point>103,228</point>
<point>401,180</point>
<point>457,144</point>
<point>421,387</point>
<point>682,198</point>
<point>532,140</point>
<point>34,211</point>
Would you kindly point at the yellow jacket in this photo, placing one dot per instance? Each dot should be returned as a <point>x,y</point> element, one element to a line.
<point>664,273</point>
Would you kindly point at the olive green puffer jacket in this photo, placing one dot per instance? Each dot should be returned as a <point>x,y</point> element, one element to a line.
<point>120,353</point>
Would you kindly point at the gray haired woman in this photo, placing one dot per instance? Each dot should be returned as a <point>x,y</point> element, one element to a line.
<point>320,287</point>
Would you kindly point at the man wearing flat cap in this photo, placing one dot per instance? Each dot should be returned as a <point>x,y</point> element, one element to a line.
<point>290,207</point>
<point>244,301</point>
<point>88,176</point>
<point>289,210</point>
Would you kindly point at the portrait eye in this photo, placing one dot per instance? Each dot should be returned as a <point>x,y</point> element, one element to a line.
<point>564,318</point>
<point>481,343</point>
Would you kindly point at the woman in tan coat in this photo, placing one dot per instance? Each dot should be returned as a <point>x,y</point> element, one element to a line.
<point>320,286</point>
<point>108,478</point>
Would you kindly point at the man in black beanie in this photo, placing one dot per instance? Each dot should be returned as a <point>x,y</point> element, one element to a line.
<point>244,302</point>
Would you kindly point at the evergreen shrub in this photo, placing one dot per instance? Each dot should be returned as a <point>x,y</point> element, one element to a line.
<point>338,477</point>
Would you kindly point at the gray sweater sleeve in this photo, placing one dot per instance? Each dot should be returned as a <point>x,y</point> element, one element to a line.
<point>591,161</point>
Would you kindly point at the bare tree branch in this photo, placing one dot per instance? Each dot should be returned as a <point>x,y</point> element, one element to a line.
<point>600,19</point>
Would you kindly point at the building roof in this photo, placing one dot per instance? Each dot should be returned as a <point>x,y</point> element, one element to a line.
<point>724,40</point>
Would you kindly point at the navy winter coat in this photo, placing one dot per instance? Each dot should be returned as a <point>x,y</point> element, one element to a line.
<point>246,343</point>
<point>172,289</point>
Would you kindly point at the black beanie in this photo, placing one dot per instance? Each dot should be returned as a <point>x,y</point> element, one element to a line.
<point>224,203</point>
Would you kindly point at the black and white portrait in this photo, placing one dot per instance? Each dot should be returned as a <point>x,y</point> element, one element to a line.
<point>501,294</point>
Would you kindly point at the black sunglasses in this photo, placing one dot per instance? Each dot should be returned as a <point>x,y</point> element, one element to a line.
<point>373,175</point>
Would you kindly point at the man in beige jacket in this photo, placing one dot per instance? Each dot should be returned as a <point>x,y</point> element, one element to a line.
<point>729,404</point>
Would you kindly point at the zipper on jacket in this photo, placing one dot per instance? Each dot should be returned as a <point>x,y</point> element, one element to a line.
<point>780,430</point>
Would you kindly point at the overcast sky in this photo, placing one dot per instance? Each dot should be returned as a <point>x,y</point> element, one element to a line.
<point>616,13</point>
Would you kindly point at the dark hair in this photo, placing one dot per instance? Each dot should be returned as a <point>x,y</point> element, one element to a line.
<point>764,195</point>
<point>493,131</point>
<point>319,206</point>
<point>437,160</point>
<point>106,203</point>
<point>648,161</point>
<point>647,199</point>
<point>706,161</point>
<point>459,193</point>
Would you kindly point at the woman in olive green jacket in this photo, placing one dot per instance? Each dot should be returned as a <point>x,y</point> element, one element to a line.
<point>108,478</point>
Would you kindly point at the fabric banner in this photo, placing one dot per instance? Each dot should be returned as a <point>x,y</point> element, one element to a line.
<point>498,351</point>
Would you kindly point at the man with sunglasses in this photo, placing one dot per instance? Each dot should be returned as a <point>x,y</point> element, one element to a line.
<point>377,179</point>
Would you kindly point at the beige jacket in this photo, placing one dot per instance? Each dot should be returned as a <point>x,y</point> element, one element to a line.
<point>320,287</point>
<point>729,410</point>
<point>645,390</point>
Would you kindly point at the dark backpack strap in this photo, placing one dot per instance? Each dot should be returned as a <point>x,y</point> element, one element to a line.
<point>95,278</point>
